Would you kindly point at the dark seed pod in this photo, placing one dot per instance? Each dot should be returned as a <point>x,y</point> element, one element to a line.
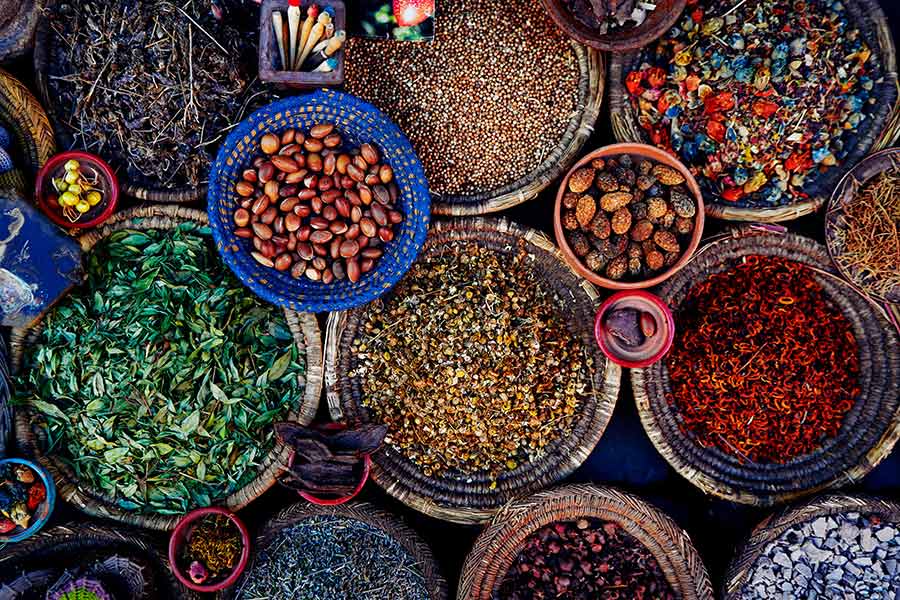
<point>579,243</point>
<point>683,225</point>
<point>569,221</point>
<point>595,261</point>
<point>634,267</point>
<point>682,204</point>
<point>617,268</point>
<point>601,227</point>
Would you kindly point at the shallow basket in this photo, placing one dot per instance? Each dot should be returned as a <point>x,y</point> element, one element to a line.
<point>499,544</point>
<point>6,411</point>
<point>34,564</point>
<point>390,524</point>
<point>879,130</point>
<point>33,142</point>
<point>869,430</point>
<point>31,437</point>
<point>358,122</point>
<point>475,499</point>
<point>18,19</point>
<point>773,526</point>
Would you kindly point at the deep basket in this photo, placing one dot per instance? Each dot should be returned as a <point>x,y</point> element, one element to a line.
<point>358,122</point>
<point>32,142</point>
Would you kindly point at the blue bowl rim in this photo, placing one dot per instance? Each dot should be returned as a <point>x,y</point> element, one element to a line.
<point>272,296</point>
<point>49,485</point>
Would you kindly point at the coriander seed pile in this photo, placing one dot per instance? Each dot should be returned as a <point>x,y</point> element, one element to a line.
<point>485,102</point>
<point>470,362</point>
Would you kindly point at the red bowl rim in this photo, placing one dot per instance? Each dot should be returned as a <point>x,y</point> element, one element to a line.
<point>656,301</point>
<point>645,151</point>
<point>80,156</point>
<point>178,534</point>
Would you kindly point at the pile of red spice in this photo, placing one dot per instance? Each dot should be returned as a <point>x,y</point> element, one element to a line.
<point>764,365</point>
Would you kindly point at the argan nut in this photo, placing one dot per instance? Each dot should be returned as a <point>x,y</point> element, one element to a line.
<point>369,154</point>
<point>353,270</point>
<point>292,222</point>
<point>266,171</point>
<point>613,201</point>
<point>581,180</point>
<point>666,240</point>
<point>271,190</point>
<point>332,140</point>
<point>321,237</point>
<point>282,262</point>
<point>585,210</point>
<point>270,143</point>
<point>260,205</point>
<point>621,221</point>
<point>241,217</point>
<point>288,136</point>
<point>313,145</point>
<point>243,232</point>
<point>386,173</point>
<point>250,175</point>
<point>642,230</point>
<point>266,262</point>
<point>355,173</point>
<point>314,163</point>
<point>321,130</point>
<point>349,249</point>
<point>285,163</point>
<point>268,215</point>
<point>244,188</point>
<point>341,163</point>
<point>667,175</point>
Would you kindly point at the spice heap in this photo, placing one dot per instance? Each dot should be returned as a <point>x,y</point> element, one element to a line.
<point>764,365</point>
<point>484,379</point>
<point>328,463</point>
<point>626,217</point>
<point>78,189</point>
<point>586,559</point>
<point>152,85</point>
<point>757,97</point>
<point>333,558</point>
<point>607,16</point>
<point>482,105</point>
<point>308,44</point>
<point>844,555</point>
<point>315,211</point>
<point>22,493</point>
<point>866,232</point>
<point>211,549</point>
<point>161,377</point>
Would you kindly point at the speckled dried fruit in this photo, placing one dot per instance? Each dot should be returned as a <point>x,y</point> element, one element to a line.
<point>656,208</point>
<point>645,182</point>
<point>667,175</point>
<point>683,204</point>
<point>666,240</point>
<point>595,261</point>
<point>600,226</point>
<point>642,230</point>
<point>607,182</point>
<point>598,163</point>
<point>655,260</point>
<point>613,201</point>
<point>579,243</point>
<point>585,210</point>
<point>683,225</point>
<point>569,221</point>
<point>634,266</point>
<point>617,268</point>
<point>621,221</point>
<point>580,181</point>
<point>639,210</point>
<point>570,199</point>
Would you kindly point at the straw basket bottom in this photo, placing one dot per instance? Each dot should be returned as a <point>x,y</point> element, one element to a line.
<point>869,431</point>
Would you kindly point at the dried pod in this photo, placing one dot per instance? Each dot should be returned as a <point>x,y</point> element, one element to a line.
<point>579,243</point>
<point>667,175</point>
<point>569,220</point>
<point>621,221</point>
<point>581,180</point>
<point>595,261</point>
<point>600,227</point>
<point>613,201</point>
<point>642,230</point>
<point>682,204</point>
<point>654,260</point>
<point>607,182</point>
<point>585,210</point>
<point>617,268</point>
<point>666,240</point>
<point>570,199</point>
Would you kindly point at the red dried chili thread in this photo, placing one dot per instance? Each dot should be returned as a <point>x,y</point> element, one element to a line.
<point>764,366</point>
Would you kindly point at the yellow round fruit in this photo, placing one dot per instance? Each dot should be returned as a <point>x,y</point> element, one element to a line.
<point>68,199</point>
<point>82,207</point>
<point>94,198</point>
<point>72,177</point>
<point>72,165</point>
<point>75,189</point>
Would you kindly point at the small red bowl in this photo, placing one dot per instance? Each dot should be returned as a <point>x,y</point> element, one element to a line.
<point>647,302</point>
<point>367,468</point>
<point>178,538</point>
<point>43,187</point>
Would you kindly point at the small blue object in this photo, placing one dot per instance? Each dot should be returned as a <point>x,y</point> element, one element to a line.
<point>357,122</point>
<point>6,163</point>
<point>5,138</point>
<point>329,10</point>
<point>44,511</point>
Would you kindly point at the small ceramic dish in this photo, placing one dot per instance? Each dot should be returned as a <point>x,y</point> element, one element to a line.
<point>653,328</point>
<point>181,535</point>
<point>337,501</point>
<point>11,506</point>
<point>92,176</point>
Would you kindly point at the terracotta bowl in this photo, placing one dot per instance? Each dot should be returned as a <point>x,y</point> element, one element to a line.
<point>658,23</point>
<point>637,151</point>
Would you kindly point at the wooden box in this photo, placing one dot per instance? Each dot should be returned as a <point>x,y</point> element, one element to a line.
<point>270,69</point>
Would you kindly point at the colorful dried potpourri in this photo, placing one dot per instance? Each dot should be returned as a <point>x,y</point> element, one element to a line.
<point>314,210</point>
<point>843,555</point>
<point>584,559</point>
<point>152,85</point>
<point>757,97</point>
<point>329,463</point>
<point>485,103</point>
<point>866,236</point>
<point>22,492</point>
<point>627,218</point>
<point>606,16</point>
<point>764,365</point>
<point>211,549</point>
<point>161,377</point>
<point>470,362</point>
<point>333,558</point>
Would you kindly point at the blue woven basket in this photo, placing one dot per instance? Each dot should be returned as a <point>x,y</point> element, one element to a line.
<point>358,122</point>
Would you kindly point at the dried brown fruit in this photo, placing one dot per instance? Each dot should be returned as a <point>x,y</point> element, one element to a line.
<point>645,182</point>
<point>600,227</point>
<point>579,243</point>
<point>595,261</point>
<point>621,221</point>
<point>666,240</point>
<point>644,167</point>
<point>642,230</point>
<point>570,199</point>
<point>639,210</point>
<point>598,163</point>
<point>654,260</point>
<point>634,266</point>
<point>656,208</point>
<point>617,268</point>
<point>585,210</point>
<point>569,221</point>
<point>581,180</point>
<point>607,182</point>
<point>683,225</point>
<point>668,219</point>
<point>613,201</point>
<point>672,258</point>
<point>634,251</point>
<point>667,175</point>
<point>682,204</point>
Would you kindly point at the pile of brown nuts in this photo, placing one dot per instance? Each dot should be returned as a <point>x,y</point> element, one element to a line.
<point>315,210</point>
<point>626,217</point>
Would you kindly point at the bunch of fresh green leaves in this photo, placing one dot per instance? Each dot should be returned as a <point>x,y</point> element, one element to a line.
<point>161,376</point>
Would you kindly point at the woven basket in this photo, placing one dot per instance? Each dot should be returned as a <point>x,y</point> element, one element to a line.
<point>33,142</point>
<point>18,19</point>
<point>772,527</point>
<point>590,95</point>
<point>474,499</point>
<point>498,546</point>
<point>366,513</point>
<point>878,131</point>
<point>6,411</point>
<point>31,566</point>
<point>846,191</point>
<point>31,438</point>
<point>358,122</point>
<point>869,430</point>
